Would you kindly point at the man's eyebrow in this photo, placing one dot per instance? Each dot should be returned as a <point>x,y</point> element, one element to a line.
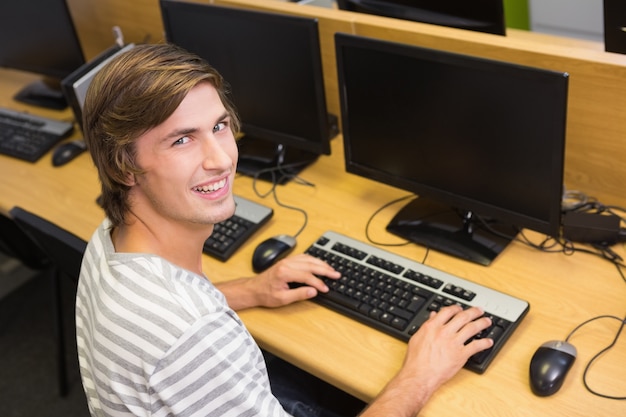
<point>189,130</point>
<point>179,133</point>
<point>224,115</point>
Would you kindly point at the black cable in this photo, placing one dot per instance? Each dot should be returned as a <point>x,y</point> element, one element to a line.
<point>559,245</point>
<point>600,353</point>
<point>283,170</point>
<point>604,252</point>
<point>369,221</point>
<point>275,181</point>
<point>371,218</point>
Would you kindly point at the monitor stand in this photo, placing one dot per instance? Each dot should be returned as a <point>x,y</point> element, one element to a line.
<point>43,93</point>
<point>455,232</point>
<point>271,162</point>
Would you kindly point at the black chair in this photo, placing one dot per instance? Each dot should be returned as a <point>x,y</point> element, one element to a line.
<point>16,244</point>
<point>64,251</point>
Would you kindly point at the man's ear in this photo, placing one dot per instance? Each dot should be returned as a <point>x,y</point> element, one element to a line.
<point>130,179</point>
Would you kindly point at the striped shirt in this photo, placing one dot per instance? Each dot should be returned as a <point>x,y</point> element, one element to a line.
<point>157,340</point>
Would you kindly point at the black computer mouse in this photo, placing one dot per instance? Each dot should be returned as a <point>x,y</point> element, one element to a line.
<point>271,250</point>
<point>67,151</point>
<point>549,366</point>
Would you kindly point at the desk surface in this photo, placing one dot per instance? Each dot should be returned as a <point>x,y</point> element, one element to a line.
<point>563,291</point>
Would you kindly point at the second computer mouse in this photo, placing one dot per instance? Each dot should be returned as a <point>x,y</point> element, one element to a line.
<point>549,366</point>
<point>67,151</point>
<point>271,250</point>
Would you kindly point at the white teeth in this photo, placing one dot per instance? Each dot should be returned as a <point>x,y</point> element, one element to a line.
<point>211,187</point>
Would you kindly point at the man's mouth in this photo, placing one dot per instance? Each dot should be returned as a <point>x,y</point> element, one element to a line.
<point>209,188</point>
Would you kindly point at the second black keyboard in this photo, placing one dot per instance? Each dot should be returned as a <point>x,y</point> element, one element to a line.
<point>229,235</point>
<point>396,295</point>
<point>28,137</point>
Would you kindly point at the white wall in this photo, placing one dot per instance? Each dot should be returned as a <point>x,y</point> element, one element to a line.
<point>574,18</point>
<point>321,3</point>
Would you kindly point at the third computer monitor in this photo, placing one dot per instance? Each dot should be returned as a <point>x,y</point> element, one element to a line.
<point>481,142</point>
<point>272,63</point>
<point>477,15</point>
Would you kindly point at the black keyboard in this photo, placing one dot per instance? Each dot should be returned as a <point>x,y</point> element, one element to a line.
<point>229,235</point>
<point>29,137</point>
<point>396,295</point>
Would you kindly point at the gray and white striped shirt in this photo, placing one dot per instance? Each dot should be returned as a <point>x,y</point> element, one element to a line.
<point>157,340</point>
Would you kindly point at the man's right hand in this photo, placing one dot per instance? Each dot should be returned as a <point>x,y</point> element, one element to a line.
<point>435,354</point>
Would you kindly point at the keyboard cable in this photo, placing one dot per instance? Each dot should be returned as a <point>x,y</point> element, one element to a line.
<point>600,353</point>
<point>275,180</point>
<point>384,206</point>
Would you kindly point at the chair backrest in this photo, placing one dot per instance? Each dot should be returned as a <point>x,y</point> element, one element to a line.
<point>63,248</point>
<point>17,244</point>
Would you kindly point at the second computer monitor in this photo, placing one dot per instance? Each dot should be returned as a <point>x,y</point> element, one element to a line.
<point>477,15</point>
<point>39,36</point>
<point>272,63</point>
<point>480,141</point>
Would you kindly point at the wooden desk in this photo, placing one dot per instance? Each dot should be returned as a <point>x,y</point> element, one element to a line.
<point>563,291</point>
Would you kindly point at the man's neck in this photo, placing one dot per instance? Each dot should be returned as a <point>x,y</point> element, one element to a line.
<point>178,244</point>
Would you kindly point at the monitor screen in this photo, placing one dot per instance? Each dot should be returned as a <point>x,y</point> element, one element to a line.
<point>481,142</point>
<point>478,15</point>
<point>272,63</point>
<point>39,36</point>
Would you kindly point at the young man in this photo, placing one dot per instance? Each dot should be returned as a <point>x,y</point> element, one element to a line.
<point>155,336</point>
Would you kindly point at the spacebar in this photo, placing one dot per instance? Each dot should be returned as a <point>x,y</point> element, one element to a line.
<point>339,298</point>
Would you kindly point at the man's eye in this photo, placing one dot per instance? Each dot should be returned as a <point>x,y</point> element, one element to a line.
<point>220,126</point>
<point>182,140</point>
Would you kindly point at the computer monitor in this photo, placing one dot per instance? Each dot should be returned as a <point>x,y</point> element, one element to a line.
<point>39,36</point>
<point>614,12</point>
<point>478,15</point>
<point>272,63</point>
<point>481,142</point>
<point>75,85</point>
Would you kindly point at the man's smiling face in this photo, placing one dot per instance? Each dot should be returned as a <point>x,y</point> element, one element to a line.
<point>189,163</point>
